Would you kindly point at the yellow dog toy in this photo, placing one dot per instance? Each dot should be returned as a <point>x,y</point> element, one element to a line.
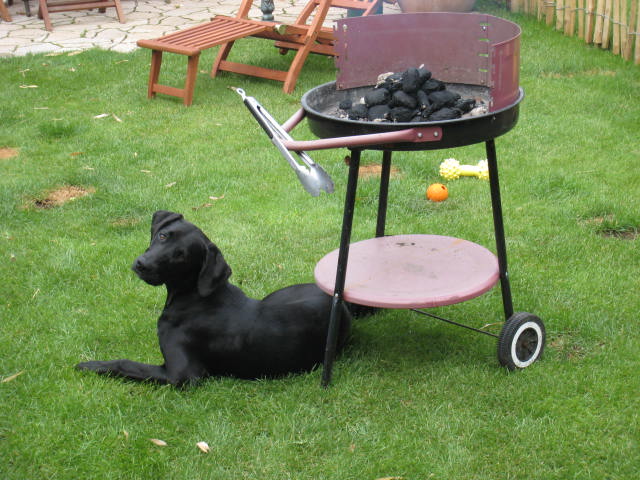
<point>451,169</point>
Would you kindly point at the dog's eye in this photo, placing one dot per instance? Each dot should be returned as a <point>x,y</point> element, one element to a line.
<point>163,236</point>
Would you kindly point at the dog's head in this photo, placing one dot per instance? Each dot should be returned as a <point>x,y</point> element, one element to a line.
<point>181,256</point>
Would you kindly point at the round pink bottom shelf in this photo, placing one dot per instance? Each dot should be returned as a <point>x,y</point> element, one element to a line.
<point>411,271</point>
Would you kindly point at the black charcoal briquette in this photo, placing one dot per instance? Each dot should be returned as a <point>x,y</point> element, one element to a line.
<point>443,98</point>
<point>423,100</point>
<point>378,112</point>
<point>402,114</point>
<point>377,96</point>
<point>423,75</point>
<point>403,99</point>
<point>345,104</point>
<point>358,111</point>
<point>433,85</point>
<point>410,80</point>
<point>465,105</point>
<point>445,114</point>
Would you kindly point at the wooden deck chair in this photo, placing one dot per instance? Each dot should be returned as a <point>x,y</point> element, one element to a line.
<point>305,35</point>
<point>224,31</point>
<point>46,7</point>
<point>4,12</point>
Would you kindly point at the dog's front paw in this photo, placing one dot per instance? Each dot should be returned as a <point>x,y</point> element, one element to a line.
<point>94,366</point>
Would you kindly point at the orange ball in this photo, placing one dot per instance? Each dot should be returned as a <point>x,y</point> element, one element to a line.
<point>437,192</point>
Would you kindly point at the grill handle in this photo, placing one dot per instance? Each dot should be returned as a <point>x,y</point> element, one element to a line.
<point>408,135</point>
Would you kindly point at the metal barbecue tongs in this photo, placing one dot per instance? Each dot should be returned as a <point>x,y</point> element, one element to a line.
<point>311,175</point>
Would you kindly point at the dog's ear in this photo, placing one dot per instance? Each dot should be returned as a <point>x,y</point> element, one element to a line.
<point>214,272</point>
<point>162,218</point>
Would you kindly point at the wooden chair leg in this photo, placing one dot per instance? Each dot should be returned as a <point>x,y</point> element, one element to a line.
<point>190,82</point>
<point>295,68</point>
<point>154,72</point>
<point>43,13</point>
<point>119,11</point>
<point>4,12</point>
<point>223,53</point>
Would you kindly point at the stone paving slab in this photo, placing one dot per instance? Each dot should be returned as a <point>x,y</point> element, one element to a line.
<point>84,29</point>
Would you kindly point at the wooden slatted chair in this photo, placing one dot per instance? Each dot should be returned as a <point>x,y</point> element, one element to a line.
<point>305,35</point>
<point>4,12</point>
<point>46,7</point>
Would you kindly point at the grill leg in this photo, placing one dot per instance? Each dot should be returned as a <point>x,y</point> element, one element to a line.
<point>341,272</point>
<point>498,227</point>
<point>384,193</point>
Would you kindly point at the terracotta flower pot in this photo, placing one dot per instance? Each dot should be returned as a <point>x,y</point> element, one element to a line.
<point>412,6</point>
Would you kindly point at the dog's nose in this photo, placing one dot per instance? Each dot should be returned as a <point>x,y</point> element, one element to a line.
<point>139,265</point>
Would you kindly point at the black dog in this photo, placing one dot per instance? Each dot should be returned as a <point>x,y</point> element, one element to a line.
<point>209,327</point>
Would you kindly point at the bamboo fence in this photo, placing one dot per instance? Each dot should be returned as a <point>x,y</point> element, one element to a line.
<point>609,24</point>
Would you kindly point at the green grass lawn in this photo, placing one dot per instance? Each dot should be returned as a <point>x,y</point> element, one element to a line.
<point>411,398</point>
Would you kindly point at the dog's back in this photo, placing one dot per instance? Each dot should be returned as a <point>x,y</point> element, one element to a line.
<point>301,312</point>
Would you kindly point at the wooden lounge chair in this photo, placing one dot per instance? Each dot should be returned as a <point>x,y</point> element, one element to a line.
<point>4,12</point>
<point>304,36</point>
<point>46,7</point>
<point>27,9</point>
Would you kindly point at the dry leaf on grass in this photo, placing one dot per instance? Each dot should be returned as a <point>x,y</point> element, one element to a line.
<point>28,86</point>
<point>203,446</point>
<point>207,205</point>
<point>158,442</point>
<point>102,115</point>
<point>204,205</point>
<point>11,377</point>
<point>169,185</point>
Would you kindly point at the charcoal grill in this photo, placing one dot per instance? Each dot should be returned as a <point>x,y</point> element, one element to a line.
<point>319,106</point>
<point>475,54</point>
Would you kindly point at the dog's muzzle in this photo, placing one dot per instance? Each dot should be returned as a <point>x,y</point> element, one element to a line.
<point>142,269</point>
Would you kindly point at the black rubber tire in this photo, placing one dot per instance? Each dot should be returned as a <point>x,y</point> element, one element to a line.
<point>521,341</point>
